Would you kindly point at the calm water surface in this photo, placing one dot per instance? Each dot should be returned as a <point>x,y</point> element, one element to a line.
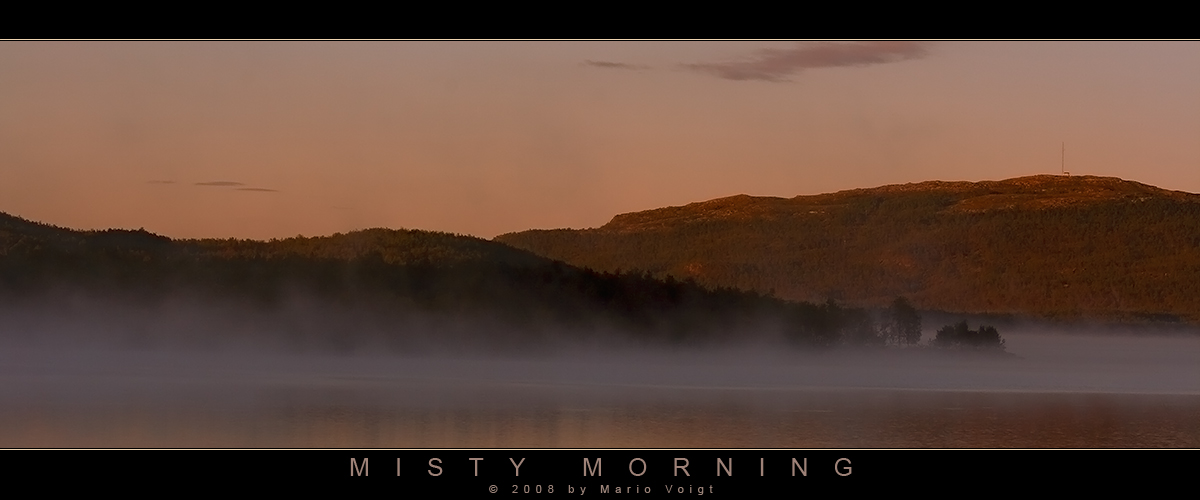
<point>1062,392</point>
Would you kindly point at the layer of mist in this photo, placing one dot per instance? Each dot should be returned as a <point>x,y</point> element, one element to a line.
<point>94,373</point>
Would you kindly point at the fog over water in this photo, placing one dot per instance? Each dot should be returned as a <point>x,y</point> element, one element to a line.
<point>75,380</point>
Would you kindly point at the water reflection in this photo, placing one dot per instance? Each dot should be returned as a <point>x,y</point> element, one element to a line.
<point>1063,393</point>
<point>865,419</point>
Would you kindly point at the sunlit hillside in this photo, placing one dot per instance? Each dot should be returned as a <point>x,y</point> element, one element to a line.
<point>1047,245</point>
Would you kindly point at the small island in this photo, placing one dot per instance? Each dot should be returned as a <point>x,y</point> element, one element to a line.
<point>959,336</point>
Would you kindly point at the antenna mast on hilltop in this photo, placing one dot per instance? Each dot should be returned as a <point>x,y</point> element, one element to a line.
<point>1064,160</point>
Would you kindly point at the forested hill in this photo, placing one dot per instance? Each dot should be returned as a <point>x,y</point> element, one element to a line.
<point>1047,245</point>
<point>20,238</point>
<point>385,284</point>
<point>373,263</point>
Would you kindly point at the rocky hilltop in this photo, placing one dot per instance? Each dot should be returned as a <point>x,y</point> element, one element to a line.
<point>1047,245</point>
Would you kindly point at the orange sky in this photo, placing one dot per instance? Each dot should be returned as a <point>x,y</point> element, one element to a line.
<point>485,138</point>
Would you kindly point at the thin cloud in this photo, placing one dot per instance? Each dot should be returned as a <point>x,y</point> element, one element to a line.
<point>221,183</point>
<point>776,65</point>
<point>614,65</point>
<point>264,190</point>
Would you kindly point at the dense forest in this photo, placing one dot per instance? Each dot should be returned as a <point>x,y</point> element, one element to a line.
<point>1049,246</point>
<point>388,283</point>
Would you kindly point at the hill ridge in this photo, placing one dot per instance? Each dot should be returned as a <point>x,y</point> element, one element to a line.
<point>1006,193</point>
<point>1047,245</point>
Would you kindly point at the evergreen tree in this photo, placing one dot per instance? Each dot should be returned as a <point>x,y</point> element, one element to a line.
<point>901,323</point>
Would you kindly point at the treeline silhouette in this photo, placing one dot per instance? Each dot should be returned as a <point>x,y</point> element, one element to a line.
<point>392,275</point>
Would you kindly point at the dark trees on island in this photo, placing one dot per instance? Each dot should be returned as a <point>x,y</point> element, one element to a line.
<point>959,336</point>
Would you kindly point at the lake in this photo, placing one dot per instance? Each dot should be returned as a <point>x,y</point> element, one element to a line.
<point>1060,391</point>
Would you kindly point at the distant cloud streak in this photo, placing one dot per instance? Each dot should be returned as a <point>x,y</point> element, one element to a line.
<point>615,65</point>
<point>776,65</point>
<point>220,183</point>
